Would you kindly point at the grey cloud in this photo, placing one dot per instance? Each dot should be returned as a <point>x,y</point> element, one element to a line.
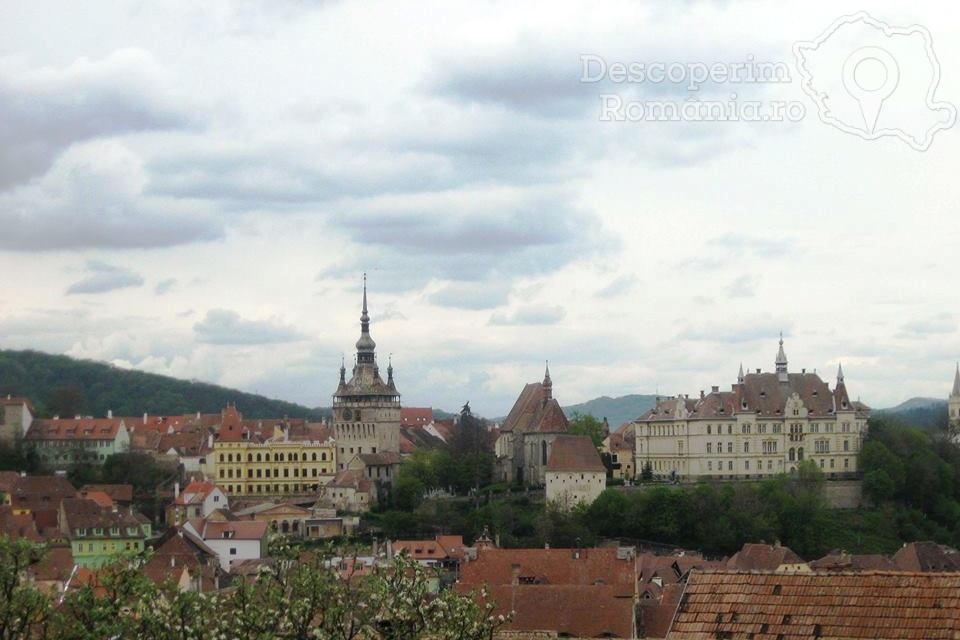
<point>472,295</point>
<point>620,286</point>
<point>734,332</point>
<point>940,324</point>
<point>165,286</point>
<point>225,327</point>
<point>92,198</point>
<point>532,314</point>
<point>45,110</point>
<point>742,287</point>
<point>102,278</point>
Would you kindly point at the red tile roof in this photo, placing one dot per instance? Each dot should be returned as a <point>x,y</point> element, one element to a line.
<point>231,425</point>
<point>551,566</point>
<point>762,557</point>
<point>56,564</point>
<point>579,611</point>
<point>788,606</point>
<point>233,529</point>
<point>441,548</point>
<point>574,453</point>
<point>75,429</point>
<point>122,493</point>
<point>35,492</point>
<point>927,556</point>
<point>534,412</point>
<point>415,416</point>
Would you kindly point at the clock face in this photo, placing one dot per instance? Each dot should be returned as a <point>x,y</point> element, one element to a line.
<point>347,414</point>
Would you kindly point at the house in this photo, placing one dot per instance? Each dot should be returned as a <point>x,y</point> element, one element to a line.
<point>52,572</point>
<point>927,556</point>
<point>233,541</point>
<point>197,500</point>
<point>326,523</point>
<point>349,491</point>
<point>16,416</point>
<point>443,552</point>
<point>876,605</point>
<point>98,535</point>
<point>61,443</point>
<point>574,473</point>
<point>379,468</point>
<point>621,445</point>
<point>848,562</point>
<point>185,560</point>
<point>121,494</point>
<point>580,593</point>
<point>269,459</point>
<point>29,494</point>
<point>766,557</point>
<point>527,434</point>
<point>282,517</point>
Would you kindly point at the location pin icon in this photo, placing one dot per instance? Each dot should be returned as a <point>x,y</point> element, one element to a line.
<point>871,100</point>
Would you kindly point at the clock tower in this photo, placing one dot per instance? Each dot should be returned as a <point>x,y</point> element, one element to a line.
<point>366,410</point>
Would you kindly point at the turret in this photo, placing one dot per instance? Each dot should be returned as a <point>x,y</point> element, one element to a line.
<point>782,374</point>
<point>547,385</point>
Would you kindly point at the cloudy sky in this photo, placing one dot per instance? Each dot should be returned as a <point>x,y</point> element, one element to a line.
<point>195,189</point>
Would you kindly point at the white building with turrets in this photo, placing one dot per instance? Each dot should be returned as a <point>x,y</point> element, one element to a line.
<point>766,424</point>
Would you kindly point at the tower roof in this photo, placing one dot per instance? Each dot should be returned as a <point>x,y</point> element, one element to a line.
<point>956,382</point>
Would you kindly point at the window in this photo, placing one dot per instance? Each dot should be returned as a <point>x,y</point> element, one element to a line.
<point>730,447</point>
<point>746,465</point>
<point>709,447</point>
<point>746,447</point>
<point>846,445</point>
<point>233,551</point>
<point>730,465</point>
<point>709,465</point>
<point>543,452</point>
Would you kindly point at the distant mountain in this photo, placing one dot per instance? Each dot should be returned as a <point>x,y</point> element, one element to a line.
<point>926,413</point>
<point>615,410</point>
<point>916,403</point>
<point>66,386</point>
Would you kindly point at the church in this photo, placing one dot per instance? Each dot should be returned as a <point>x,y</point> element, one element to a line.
<point>527,434</point>
<point>366,413</point>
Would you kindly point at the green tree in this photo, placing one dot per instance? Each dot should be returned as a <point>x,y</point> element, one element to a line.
<point>23,609</point>
<point>587,425</point>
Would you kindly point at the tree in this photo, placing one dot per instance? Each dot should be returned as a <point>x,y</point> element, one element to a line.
<point>587,425</point>
<point>23,609</point>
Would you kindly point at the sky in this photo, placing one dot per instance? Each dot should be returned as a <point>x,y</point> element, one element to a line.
<point>195,189</point>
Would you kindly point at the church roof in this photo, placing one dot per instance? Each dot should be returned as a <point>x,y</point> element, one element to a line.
<point>533,412</point>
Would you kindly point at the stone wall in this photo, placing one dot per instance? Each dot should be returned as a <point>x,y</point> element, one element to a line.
<point>843,494</point>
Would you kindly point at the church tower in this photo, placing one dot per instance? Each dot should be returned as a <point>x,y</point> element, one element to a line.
<point>953,402</point>
<point>366,410</point>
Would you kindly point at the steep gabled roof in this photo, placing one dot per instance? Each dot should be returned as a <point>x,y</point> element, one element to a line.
<point>574,453</point>
<point>762,557</point>
<point>535,411</point>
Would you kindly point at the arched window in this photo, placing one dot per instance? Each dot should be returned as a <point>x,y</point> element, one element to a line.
<point>792,455</point>
<point>800,453</point>
<point>249,457</point>
<point>543,452</point>
<point>258,458</point>
<point>314,456</point>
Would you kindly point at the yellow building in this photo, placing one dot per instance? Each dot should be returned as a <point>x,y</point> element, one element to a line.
<point>247,462</point>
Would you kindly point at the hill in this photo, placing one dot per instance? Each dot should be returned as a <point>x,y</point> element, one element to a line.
<point>67,386</point>
<point>615,410</point>
<point>925,413</point>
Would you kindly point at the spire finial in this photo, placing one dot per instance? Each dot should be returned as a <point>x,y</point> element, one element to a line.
<point>364,292</point>
<point>840,373</point>
<point>740,376</point>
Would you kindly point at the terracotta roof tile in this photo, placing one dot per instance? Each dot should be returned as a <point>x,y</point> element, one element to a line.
<point>877,605</point>
<point>533,412</point>
<point>574,453</point>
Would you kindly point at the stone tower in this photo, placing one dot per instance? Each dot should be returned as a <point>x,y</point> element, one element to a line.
<point>366,410</point>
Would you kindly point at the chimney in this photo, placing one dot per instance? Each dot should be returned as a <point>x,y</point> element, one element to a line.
<point>715,389</point>
<point>23,474</point>
<point>701,394</point>
<point>56,417</point>
<point>110,414</point>
<point>176,490</point>
<point>144,417</point>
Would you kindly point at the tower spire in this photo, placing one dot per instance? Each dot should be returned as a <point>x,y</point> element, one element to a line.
<point>839,374</point>
<point>390,369</point>
<point>547,384</point>
<point>366,347</point>
<point>740,376</point>
<point>343,371</point>
<point>782,374</point>
<point>956,382</point>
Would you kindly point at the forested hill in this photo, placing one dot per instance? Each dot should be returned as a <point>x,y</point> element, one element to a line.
<point>615,410</point>
<point>67,386</point>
